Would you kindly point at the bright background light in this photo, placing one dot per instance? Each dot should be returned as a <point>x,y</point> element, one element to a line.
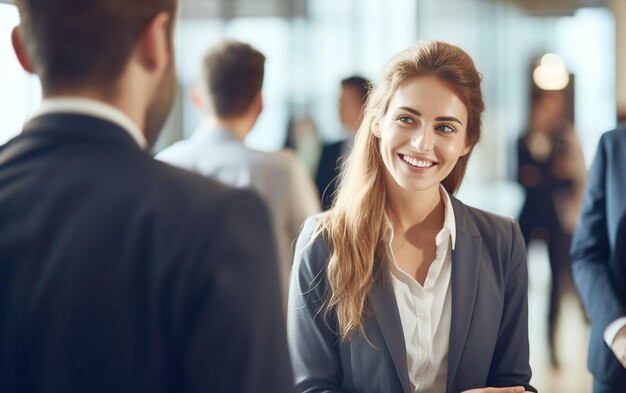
<point>551,73</point>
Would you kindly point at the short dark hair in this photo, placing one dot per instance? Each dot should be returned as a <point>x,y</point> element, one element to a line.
<point>232,76</point>
<point>72,42</point>
<point>361,85</point>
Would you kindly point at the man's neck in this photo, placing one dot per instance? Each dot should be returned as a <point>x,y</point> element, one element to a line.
<point>124,104</point>
<point>94,105</point>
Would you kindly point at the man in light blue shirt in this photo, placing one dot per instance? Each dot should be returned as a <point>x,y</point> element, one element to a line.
<point>230,95</point>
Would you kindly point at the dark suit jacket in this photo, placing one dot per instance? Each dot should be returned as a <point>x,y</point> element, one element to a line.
<point>599,252</point>
<point>119,273</point>
<point>327,172</point>
<point>488,343</point>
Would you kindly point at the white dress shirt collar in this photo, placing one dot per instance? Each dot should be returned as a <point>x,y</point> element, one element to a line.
<point>449,222</point>
<point>216,132</point>
<point>88,107</point>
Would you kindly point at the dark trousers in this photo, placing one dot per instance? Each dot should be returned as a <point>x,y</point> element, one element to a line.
<point>558,244</point>
<point>602,387</point>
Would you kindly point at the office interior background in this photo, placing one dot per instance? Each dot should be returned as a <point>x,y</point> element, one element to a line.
<point>310,45</point>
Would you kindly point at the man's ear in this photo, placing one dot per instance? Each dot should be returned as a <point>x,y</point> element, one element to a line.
<point>153,46</point>
<point>258,103</point>
<point>197,98</point>
<point>18,48</point>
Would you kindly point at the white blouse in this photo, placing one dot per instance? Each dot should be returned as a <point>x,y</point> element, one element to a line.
<point>425,311</point>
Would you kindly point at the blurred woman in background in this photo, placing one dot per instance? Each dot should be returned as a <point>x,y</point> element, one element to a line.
<point>551,169</point>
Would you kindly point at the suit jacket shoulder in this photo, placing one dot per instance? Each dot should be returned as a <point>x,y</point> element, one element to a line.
<point>321,361</point>
<point>618,133</point>
<point>498,232</point>
<point>134,262</point>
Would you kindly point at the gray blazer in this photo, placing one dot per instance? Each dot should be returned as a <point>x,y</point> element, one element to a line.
<point>489,331</point>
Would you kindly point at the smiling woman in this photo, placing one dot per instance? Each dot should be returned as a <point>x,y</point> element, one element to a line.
<point>385,293</point>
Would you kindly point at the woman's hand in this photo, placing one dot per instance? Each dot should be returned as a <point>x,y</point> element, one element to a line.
<point>512,389</point>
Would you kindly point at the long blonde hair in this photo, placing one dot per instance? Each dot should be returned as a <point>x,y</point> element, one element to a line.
<point>354,226</point>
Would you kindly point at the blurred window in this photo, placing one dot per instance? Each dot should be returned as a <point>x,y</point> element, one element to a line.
<point>20,93</point>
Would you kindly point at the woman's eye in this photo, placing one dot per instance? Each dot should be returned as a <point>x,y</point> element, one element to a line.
<point>445,128</point>
<point>406,119</point>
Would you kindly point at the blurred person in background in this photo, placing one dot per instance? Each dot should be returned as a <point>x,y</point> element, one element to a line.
<point>599,262</point>
<point>230,95</point>
<point>400,287</point>
<point>551,169</point>
<point>119,273</point>
<point>302,138</point>
<point>354,92</point>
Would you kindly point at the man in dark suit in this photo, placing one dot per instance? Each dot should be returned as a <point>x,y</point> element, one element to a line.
<point>354,92</point>
<point>599,262</point>
<point>119,273</point>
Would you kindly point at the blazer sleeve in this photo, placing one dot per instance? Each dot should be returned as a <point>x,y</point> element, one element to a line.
<point>590,250</point>
<point>313,345</point>
<point>235,338</point>
<point>510,365</point>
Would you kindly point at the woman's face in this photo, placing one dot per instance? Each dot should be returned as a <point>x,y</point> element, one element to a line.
<point>423,134</point>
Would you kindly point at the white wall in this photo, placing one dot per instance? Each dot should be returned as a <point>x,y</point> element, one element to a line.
<point>20,93</point>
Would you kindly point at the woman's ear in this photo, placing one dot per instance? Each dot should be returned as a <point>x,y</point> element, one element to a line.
<point>468,148</point>
<point>376,128</point>
<point>18,47</point>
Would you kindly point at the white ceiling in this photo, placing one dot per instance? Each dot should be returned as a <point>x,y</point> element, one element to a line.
<point>227,9</point>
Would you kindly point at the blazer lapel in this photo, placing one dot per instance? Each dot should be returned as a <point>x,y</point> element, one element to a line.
<point>466,259</point>
<point>387,316</point>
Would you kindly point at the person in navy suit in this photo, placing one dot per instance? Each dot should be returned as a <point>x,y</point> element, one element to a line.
<point>599,262</point>
<point>400,287</point>
<point>354,92</point>
<point>119,273</point>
